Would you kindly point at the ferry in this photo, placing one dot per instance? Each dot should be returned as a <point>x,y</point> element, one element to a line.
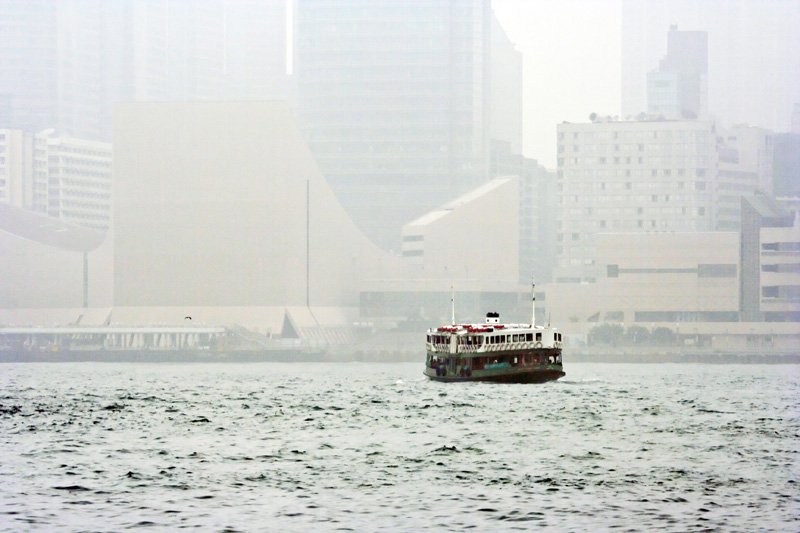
<point>506,353</point>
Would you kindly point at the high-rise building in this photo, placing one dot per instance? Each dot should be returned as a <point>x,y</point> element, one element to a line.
<point>52,58</point>
<point>63,177</point>
<point>506,90</point>
<point>753,55</point>
<point>536,211</point>
<point>66,64</point>
<point>16,169</point>
<point>645,176</point>
<point>79,181</point>
<point>395,102</point>
<point>679,88</point>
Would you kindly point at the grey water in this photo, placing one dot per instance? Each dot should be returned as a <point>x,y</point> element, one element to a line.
<point>374,447</point>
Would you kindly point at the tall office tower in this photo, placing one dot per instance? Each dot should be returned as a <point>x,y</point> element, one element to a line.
<point>256,50</point>
<point>753,55</point>
<point>196,50</point>
<point>679,88</point>
<point>506,90</point>
<point>67,63</point>
<point>394,101</point>
<point>51,57</point>
<point>536,211</point>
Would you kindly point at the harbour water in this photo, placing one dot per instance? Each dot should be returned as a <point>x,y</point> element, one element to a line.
<point>376,447</point>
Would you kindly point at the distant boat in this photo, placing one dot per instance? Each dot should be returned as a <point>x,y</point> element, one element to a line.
<point>509,353</point>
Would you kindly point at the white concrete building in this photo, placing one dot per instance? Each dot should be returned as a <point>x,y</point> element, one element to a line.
<point>466,249</point>
<point>650,175</point>
<point>629,176</point>
<point>476,236</point>
<point>64,178</point>
<point>220,204</point>
<point>78,180</point>
<point>16,168</point>
<point>655,278</point>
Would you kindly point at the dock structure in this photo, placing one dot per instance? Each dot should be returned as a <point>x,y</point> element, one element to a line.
<point>110,338</point>
<point>152,343</point>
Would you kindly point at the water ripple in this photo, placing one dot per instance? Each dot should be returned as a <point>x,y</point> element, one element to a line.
<point>358,447</point>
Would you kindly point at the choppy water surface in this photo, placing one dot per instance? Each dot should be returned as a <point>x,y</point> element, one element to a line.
<point>370,447</point>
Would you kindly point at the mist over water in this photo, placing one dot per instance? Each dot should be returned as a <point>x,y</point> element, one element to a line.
<point>369,447</point>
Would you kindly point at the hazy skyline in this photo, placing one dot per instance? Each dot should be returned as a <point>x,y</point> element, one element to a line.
<point>574,63</point>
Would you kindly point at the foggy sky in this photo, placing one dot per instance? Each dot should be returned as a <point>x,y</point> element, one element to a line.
<point>571,64</point>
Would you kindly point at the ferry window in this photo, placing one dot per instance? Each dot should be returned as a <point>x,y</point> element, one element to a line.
<point>516,338</point>
<point>529,337</point>
<point>538,336</point>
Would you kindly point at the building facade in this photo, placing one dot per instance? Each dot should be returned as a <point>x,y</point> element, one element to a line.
<point>485,220</point>
<point>650,175</point>
<point>16,169</point>
<point>465,249</point>
<point>221,204</point>
<point>632,177</point>
<point>745,165</point>
<point>537,236</point>
<point>66,64</point>
<point>770,286</point>
<point>62,177</point>
<point>78,180</point>
<point>395,103</point>
<point>718,291</point>
<point>679,88</point>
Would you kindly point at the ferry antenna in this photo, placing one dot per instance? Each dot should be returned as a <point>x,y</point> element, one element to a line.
<point>533,304</point>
